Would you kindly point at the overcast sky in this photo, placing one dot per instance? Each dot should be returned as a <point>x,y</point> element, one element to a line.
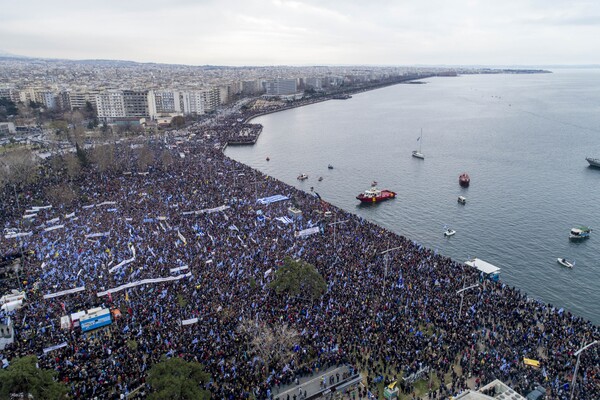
<point>306,32</point>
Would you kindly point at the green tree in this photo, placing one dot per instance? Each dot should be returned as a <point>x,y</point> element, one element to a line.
<point>298,277</point>
<point>178,122</point>
<point>7,107</point>
<point>23,378</point>
<point>178,379</point>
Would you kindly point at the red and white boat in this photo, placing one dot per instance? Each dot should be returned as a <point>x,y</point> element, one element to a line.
<point>464,179</point>
<point>374,195</point>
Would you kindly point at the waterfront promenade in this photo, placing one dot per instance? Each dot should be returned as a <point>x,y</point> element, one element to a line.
<point>186,240</point>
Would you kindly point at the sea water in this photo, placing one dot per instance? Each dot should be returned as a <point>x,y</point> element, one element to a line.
<point>522,139</point>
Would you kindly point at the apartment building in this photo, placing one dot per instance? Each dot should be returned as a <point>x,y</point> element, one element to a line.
<point>281,87</point>
<point>110,105</point>
<point>136,103</point>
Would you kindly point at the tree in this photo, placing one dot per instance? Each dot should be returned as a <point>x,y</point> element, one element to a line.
<point>178,122</point>
<point>166,159</point>
<point>145,157</point>
<point>176,378</point>
<point>61,194</point>
<point>272,343</point>
<point>296,277</point>
<point>104,157</point>
<point>23,378</point>
<point>7,108</point>
<point>19,168</point>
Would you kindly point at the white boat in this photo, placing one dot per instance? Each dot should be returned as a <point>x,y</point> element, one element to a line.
<point>449,232</point>
<point>302,177</point>
<point>565,263</point>
<point>419,153</point>
<point>462,199</point>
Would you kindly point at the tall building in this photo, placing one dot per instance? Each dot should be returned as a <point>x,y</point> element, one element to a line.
<point>281,87</point>
<point>135,103</point>
<point>79,99</point>
<point>163,102</point>
<point>192,102</point>
<point>110,105</point>
<point>45,97</point>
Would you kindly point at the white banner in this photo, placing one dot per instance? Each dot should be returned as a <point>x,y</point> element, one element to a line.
<point>143,282</point>
<point>100,234</point>
<point>207,210</point>
<point>55,347</point>
<point>189,321</point>
<point>52,228</point>
<point>307,232</point>
<point>124,262</point>
<point>106,203</point>
<point>17,235</point>
<point>179,269</point>
<point>62,293</point>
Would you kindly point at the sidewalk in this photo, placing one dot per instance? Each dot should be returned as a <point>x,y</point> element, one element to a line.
<point>311,385</point>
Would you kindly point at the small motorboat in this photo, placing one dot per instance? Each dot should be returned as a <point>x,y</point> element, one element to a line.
<point>268,159</point>
<point>374,183</point>
<point>449,232</point>
<point>565,263</point>
<point>320,178</point>
<point>581,232</point>
<point>302,177</point>
<point>462,199</point>
<point>464,180</point>
<point>330,166</point>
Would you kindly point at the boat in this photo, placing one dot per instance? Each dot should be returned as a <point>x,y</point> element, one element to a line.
<point>374,195</point>
<point>330,166</point>
<point>565,263</point>
<point>580,232</point>
<point>374,183</point>
<point>268,159</point>
<point>594,162</point>
<point>488,271</point>
<point>302,177</point>
<point>419,154</point>
<point>320,178</point>
<point>449,232</point>
<point>462,199</point>
<point>464,180</point>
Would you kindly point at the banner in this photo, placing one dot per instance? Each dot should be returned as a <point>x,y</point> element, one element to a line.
<point>55,347</point>
<point>207,210</point>
<point>100,234</point>
<point>52,228</point>
<point>17,235</point>
<point>272,199</point>
<point>143,282</point>
<point>307,232</point>
<point>189,321</point>
<point>62,293</point>
<point>178,269</point>
<point>124,262</point>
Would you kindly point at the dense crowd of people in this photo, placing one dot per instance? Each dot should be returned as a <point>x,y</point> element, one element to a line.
<point>196,221</point>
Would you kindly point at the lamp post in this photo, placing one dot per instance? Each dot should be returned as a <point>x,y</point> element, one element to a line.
<point>461,292</point>
<point>578,353</point>
<point>386,262</point>
<point>334,224</point>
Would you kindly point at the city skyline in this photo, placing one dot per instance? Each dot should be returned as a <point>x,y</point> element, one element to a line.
<point>306,32</point>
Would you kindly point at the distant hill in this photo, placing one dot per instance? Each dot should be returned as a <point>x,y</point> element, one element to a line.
<point>6,54</point>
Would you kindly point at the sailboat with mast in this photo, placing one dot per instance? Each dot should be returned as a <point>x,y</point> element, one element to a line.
<point>419,153</point>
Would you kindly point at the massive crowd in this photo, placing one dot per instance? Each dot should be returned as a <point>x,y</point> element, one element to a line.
<point>197,220</point>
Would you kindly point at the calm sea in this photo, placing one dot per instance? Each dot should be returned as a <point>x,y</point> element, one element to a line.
<point>523,140</point>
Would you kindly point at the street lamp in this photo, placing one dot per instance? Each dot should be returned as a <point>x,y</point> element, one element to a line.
<point>578,353</point>
<point>334,224</point>
<point>386,262</point>
<point>461,292</point>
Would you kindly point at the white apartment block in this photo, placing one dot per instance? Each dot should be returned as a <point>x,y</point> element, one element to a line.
<point>192,102</point>
<point>164,102</point>
<point>78,100</point>
<point>46,97</point>
<point>110,105</point>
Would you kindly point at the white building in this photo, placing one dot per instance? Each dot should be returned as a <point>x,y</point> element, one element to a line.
<point>110,105</point>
